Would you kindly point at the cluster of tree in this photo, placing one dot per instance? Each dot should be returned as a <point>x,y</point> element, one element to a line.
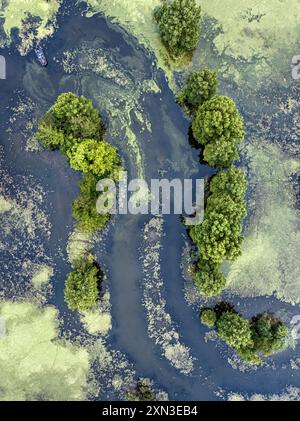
<point>201,86</point>
<point>218,237</point>
<point>218,126</point>
<point>262,336</point>
<point>142,391</point>
<point>179,25</point>
<point>74,126</point>
<point>83,285</point>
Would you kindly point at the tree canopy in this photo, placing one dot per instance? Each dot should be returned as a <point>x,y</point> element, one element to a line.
<point>201,86</point>
<point>84,207</point>
<point>81,289</point>
<point>219,127</point>
<point>235,330</point>
<point>208,317</point>
<point>76,116</point>
<point>74,126</point>
<point>99,158</point>
<point>209,279</point>
<point>264,335</point>
<point>218,237</point>
<point>269,334</point>
<point>179,25</point>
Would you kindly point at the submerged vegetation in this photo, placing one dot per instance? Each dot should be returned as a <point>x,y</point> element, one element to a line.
<point>142,391</point>
<point>74,127</point>
<point>260,337</point>
<point>179,25</point>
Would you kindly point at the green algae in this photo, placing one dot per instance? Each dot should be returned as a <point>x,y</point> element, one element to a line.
<point>137,18</point>
<point>42,275</point>
<point>269,263</point>
<point>34,363</point>
<point>5,205</point>
<point>260,37</point>
<point>14,13</point>
<point>98,320</point>
<point>161,327</point>
<point>117,91</point>
<point>290,393</point>
<point>249,41</point>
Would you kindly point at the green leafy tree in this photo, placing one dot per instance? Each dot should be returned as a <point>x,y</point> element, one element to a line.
<point>218,118</point>
<point>50,136</point>
<point>84,207</point>
<point>235,331</point>
<point>269,334</point>
<point>75,116</point>
<point>217,238</point>
<point>209,279</point>
<point>99,158</point>
<point>208,317</point>
<point>232,208</point>
<point>201,86</point>
<point>232,182</point>
<point>81,289</point>
<point>219,126</point>
<point>263,336</point>
<point>220,153</point>
<point>179,25</point>
<point>84,211</point>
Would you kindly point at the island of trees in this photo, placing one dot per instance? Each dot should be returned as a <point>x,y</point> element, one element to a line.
<point>179,25</point>
<point>218,127</point>
<point>260,337</point>
<point>74,126</point>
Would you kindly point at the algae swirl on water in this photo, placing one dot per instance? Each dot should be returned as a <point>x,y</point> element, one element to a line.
<point>34,20</point>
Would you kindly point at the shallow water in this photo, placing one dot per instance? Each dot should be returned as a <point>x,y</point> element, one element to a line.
<point>157,144</point>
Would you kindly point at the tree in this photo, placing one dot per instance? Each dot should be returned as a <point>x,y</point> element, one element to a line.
<point>269,334</point>
<point>217,238</point>
<point>218,118</point>
<point>220,153</point>
<point>81,289</point>
<point>218,126</point>
<point>76,117</point>
<point>232,208</point>
<point>209,279</point>
<point>179,25</point>
<point>208,317</point>
<point>99,158</point>
<point>232,182</point>
<point>84,211</point>
<point>235,331</point>
<point>84,208</point>
<point>201,86</point>
<point>51,137</point>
